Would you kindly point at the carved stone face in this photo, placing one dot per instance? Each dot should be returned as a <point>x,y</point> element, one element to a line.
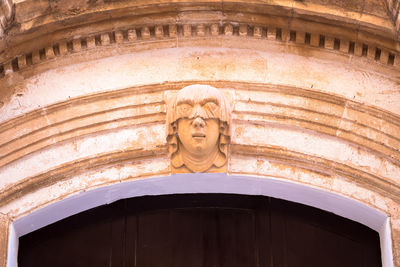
<point>198,135</point>
<point>198,128</point>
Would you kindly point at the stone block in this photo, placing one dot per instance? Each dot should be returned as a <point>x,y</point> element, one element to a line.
<point>187,30</point>
<point>358,49</point>
<point>384,56</point>
<point>91,42</point>
<point>105,38</point>
<point>63,48</point>
<point>329,42</point>
<point>314,40</point>
<point>201,30</point>
<point>35,57</point>
<point>214,29</point>
<point>22,62</point>
<point>397,60</point>
<point>228,29</point>
<point>371,52</point>
<point>77,45</point>
<point>172,30</point>
<point>257,31</point>
<point>49,52</point>
<point>119,37</point>
<point>8,68</point>
<point>243,30</point>
<point>132,35</point>
<point>145,33</point>
<point>158,31</point>
<point>300,37</point>
<point>285,35</point>
<point>344,46</point>
<point>271,33</point>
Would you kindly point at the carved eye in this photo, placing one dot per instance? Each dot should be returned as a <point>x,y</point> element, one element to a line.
<point>184,109</point>
<point>210,105</point>
<point>211,108</point>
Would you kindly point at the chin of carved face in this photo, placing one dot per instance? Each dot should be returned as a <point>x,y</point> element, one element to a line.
<point>198,136</point>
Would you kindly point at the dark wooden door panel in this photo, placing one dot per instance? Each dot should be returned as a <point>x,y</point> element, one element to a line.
<point>236,240</point>
<point>79,241</point>
<point>187,231</point>
<point>308,245</point>
<point>154,239</point>
<point>263,237</point>
<point>130,241</point>
<point>203,230</point>
<point>311,237</point>
<point>199,237</point>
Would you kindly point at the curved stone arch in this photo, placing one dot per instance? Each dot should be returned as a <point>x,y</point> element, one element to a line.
<point>205,183</point>
<point>266,118</point>
<point>315,93</point>
<point>255,151</point>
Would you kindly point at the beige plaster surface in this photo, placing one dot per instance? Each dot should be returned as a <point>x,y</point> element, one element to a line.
<point>199,63</point>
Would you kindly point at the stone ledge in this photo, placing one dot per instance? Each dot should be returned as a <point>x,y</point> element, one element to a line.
<point>127,38</point>
<point>33,17</point>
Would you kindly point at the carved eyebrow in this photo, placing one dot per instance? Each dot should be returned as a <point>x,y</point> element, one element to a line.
<point>185,101</point>
<point>210,99</point>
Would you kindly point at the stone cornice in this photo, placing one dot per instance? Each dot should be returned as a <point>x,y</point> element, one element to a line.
<point>130,33</point>
<point>34,16</point>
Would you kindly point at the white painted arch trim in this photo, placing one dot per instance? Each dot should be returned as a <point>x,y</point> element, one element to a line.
<point>205,183</point>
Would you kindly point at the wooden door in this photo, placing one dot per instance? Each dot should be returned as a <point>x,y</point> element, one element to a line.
<point>202,230</point>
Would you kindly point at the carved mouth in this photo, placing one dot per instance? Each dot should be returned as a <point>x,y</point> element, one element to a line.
<point>198,135</point>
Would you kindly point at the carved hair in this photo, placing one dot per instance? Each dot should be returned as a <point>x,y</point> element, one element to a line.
<point>193,93</point>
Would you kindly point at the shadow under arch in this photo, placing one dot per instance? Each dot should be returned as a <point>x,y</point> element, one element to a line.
<point>205,183</point>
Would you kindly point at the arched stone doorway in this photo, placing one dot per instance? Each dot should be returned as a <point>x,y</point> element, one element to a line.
<point>202,230</point>
<point>207,183</point>
<point>313,87</point>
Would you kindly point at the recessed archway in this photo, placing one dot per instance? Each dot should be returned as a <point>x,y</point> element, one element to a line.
<point>202,230</point>
<point>206,183</point>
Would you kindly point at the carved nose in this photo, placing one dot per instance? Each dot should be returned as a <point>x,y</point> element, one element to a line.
<point>199,122</point>
<point>198,111</point>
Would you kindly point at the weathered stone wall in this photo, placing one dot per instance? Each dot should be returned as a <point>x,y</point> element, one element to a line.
<point>312,103</point>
